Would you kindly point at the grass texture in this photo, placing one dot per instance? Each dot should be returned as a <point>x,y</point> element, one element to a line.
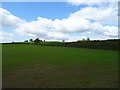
<point>32,66</point>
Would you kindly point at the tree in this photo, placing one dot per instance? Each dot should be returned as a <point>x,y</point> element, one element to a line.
<point>26,41</point>
<point>83,39</point>
<point>41,41</point>
<point>37,41</point>
<point>88,39</point>
<point>63,40</point>
<point>31,40</point>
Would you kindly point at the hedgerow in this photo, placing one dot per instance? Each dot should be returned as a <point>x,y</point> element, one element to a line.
<point>105,44</point>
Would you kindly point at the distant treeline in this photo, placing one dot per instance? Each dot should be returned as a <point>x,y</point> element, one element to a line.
<point>19,43</point>
<point>112,44</point>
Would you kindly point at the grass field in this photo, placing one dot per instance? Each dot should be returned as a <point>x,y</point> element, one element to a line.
<point>32,66</point>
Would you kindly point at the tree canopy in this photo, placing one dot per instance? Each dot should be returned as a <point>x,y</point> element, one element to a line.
<point>37,41</point>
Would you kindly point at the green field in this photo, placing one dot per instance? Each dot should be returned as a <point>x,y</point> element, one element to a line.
<point>32,66</point>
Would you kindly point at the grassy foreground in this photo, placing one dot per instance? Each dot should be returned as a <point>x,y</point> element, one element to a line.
<point>31,66</point>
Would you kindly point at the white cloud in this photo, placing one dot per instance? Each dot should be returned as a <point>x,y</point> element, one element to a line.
<point>110,31</point>
<point>83,2</point>
<point>102,15</point>
<point>71,25</point>
<point>57,29</point>
<point>92,2</point>
<point>8,20</point>
<point>104,9</point>
<point>6,37</point>
<point>78,22</point>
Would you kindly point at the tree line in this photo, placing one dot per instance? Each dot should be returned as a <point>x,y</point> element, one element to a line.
<point>38,41</point>
<point>112,44</point>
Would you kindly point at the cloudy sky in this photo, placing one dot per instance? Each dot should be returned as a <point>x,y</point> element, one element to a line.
<point>56,21</point>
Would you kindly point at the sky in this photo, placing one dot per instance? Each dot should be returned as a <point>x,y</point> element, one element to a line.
<point>57,21</point>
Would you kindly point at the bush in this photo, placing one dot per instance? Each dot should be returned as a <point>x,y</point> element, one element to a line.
<point>97,44</point>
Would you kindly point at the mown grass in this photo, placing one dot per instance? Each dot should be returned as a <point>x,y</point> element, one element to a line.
<point>32,66</point>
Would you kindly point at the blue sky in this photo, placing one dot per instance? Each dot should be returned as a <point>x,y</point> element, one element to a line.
<point>31,10</point>
<point>58,20</point>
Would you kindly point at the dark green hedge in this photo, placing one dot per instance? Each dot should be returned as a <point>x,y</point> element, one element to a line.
<point>106,44</point>
<point>96,44</point>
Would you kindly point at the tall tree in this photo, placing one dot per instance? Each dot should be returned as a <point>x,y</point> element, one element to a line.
<point>63,40</point>
<point>88,39</point>
<point>31,40</point>
<point>83,39</point>
<point>37,41</point>
<point>26,41</point>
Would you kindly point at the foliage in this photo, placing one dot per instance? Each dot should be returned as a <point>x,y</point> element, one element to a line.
<point>110,44</point>
<point>63,40</point>
<point>37,41</point>
<point>88,39</point>
<point>31,40</point>
<point>97,44</point>
<point>26,41</point>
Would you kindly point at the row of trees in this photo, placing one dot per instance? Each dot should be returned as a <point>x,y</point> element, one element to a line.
<point>36,41</point>
<point>88,39</point>
<point>95,44</point>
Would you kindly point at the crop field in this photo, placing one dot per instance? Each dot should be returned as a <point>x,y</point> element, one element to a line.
<point>34,66</point>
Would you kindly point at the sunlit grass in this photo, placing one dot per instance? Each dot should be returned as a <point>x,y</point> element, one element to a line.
<point>35,66</point>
